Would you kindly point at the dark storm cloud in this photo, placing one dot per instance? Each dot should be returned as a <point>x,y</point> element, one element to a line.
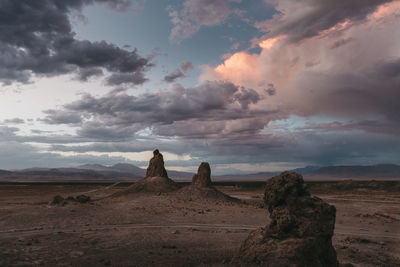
<point>36,38</point>
<point>85,73</point>
<point>300,19</point>
<point>271,90</point>
<point>341,43</point>
<point>52,138</point>
<point>177,103</point>
<point>100,131</point>
<point>121,115</point>
<point>144,144</point>
<point>176,74</point>
<point>48,137</point>
<point>173,76</point>
<point>37,131</point>
<point>126,78</point>
<point>61,117</point>
<point>388,70</point>
<point>370,126</point>
<point>14,121</point>
<point>247,97</point>
<point>371,93</point>
<point>305,148</point>
<point>186,65</point>
<point>296,147</point>
<point>216,151</point>
<point>233,131</point>
<point>7,132</point>
<point>16,155</point>
<point>198,13</point>
<point>106,147</point>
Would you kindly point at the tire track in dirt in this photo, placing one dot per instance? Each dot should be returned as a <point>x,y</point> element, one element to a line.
<point>340,230</point>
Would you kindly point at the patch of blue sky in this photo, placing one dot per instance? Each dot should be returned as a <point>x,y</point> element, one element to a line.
<point>296,123</point>
<point>149,29</point>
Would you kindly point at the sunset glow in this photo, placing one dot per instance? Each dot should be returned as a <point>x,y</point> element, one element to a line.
<point>228,82</point>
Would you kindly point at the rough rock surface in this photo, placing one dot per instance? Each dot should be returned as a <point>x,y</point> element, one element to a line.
<point>203,176</point>
<point>156,166</point>
<point>59,200</point>
<point>156,179</point>
<point>201,190</point>
<point>82,198</point>
<point>301,228</point>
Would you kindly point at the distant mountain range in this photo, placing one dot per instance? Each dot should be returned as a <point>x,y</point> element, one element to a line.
<point>381,171</point>
<point>356,172</point>
<point>87,172</point>
<point>129,172</point>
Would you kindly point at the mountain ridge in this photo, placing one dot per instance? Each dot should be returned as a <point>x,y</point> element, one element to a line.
<point>129,172</point>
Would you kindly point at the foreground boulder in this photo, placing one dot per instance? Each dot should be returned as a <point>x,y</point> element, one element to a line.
<point>203,176</point>
<point>301,228</point>
<point>58,200</point>
<point>156,179</point>
<point>82,199</point>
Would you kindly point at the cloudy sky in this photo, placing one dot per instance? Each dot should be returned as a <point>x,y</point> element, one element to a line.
<point>248,86</point>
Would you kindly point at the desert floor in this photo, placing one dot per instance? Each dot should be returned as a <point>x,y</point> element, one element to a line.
<point>165,230</point>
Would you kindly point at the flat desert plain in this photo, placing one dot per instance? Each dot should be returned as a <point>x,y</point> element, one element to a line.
<point>168,229</point>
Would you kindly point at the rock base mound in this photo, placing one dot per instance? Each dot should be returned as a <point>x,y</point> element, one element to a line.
<point>301,228</point>
<point>150,185</point>
<point>204,194</point>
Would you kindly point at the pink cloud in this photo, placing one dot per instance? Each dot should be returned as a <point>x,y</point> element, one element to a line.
<point>311,78</point>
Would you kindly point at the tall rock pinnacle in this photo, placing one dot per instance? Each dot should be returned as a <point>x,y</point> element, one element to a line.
<point>156,166</point>
<point>203,176</point>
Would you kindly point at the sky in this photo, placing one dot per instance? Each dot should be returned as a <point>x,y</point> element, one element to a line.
<point>248,86</point>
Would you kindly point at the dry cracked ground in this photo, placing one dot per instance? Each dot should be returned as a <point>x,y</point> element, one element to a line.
<point>165,230</point>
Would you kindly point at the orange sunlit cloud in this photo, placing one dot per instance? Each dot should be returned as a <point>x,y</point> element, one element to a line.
<point>243,66</point>
<point>239,67</point>
<point>386,9</point>
<point>270,42</point>
<point>338,27</point>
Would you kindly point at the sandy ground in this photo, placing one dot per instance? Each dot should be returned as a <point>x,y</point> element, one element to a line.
<point>163,230</point>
